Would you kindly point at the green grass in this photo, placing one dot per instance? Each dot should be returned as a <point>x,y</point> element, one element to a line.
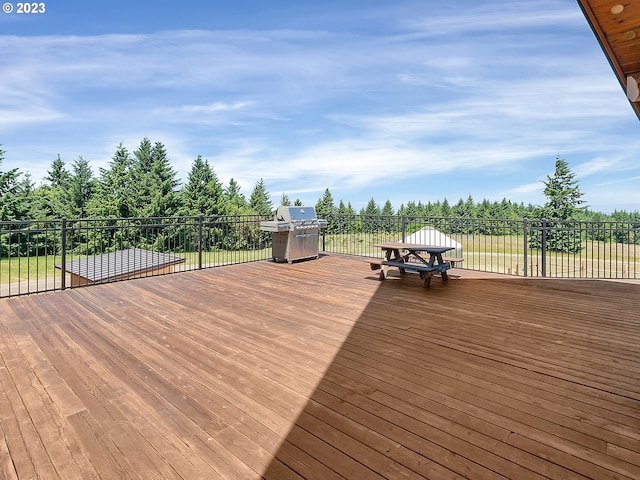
<point>23,269</point>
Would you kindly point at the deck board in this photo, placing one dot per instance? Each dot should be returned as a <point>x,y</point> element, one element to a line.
<point>317,369</point>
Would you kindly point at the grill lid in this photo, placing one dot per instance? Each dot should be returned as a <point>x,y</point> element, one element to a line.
<point>295,214</point>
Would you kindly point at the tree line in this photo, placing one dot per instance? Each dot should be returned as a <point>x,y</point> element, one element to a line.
<point>143,184</point>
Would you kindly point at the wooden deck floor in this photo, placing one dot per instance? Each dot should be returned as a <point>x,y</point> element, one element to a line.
<point>318,370</point>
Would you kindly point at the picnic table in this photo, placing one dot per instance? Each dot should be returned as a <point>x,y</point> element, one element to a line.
<point>411,257</point>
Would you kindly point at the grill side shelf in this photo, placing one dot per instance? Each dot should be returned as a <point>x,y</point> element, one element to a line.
<point>274,226</point>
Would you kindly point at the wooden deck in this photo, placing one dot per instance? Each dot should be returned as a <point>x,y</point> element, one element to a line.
<point>318,370</point>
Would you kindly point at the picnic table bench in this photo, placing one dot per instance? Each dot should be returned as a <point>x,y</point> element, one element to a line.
<point>406,257</point>
<point>376,263</point>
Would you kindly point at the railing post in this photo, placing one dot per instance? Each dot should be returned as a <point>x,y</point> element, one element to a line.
<point>525,226</point>
<point>544,247</point>
<point>63,247</point>
<point>200,242</point>
<point>329,218</point>
<point>404,228</point>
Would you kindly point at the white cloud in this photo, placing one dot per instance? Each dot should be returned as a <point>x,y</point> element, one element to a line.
<point>215,107</point>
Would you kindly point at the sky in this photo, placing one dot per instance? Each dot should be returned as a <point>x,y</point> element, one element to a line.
<point>397,100</point>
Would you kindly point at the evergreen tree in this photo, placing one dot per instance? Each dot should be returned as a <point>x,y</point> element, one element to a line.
<point>346,209</point>
<point>372,208</point>
<point>388,222</point>
<point>141,177</point>
<point>11,199</point>
<point>50,199</point>
<point>115,189</point>
<point>461,213</point>
<point>144,157</point>
<point>27,208</point>
<point>260,200</point>
<point>483,209</point>
<point>345,220</point>
<point>371,217</point>
<point>445,208</point>
<point>235,202</point>
<point>79,189</point>
<point>203,193</point>
<point>459,210</point>
<point>432,209</point>
<point>564,200</point>
<point>284,200</point>
<point>387,209</point>
<point>324,205</point>
<point>58,176</point>
<point>411,210</point>
<point>155,180</point>
<point>164,181</point>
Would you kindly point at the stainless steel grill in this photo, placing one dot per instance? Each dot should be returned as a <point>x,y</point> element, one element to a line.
<point>295,233</point>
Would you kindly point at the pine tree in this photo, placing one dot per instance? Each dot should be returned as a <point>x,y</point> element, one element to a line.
<point>445,208</point>
<point>235,202</point>
<point>164,198</point>
<point>564,200</point>
<point>388,223</point>
<point>202,195</point>
<point>80,188</point>
<point>371,217</point>
<point>260,200</point>
<point>563,194</point>
<point>325,206</point>
<point>155,180</point>
<point>284,200</point>
<point>345,221</point>
<point>10,193</point>
<point>57,176</point>
<point>115,188</point>
<point>387,209</point>
<point>51,197</point>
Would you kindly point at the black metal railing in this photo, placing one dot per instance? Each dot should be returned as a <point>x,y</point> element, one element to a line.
<point>33,253</point>
<point>530,248</point>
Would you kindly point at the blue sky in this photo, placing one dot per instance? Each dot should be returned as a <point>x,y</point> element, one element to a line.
<point>394,100</point>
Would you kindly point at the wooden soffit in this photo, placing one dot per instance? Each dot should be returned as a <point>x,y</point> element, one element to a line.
<point>616,25</point>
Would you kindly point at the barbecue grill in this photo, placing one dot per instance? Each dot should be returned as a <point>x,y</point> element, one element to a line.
<point>295,233</point>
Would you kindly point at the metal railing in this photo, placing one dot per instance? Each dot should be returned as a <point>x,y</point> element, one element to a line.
<point>32,253</point>
<point>530,248</point>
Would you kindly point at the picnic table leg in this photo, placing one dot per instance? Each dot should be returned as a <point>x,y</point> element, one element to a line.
<point>397,258</point>
<point>426,276</point>
<point>383,268</point>
<point>444,274</point>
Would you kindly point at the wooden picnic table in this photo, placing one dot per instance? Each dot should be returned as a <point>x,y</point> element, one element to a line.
<point>411,256</point>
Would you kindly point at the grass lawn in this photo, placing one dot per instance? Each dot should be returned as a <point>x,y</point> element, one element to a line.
<point>25,269</point>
